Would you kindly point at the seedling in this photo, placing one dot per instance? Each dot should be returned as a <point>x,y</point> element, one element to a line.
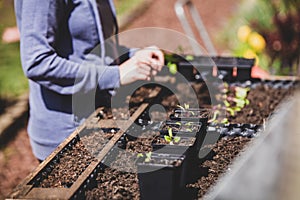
<point>148,156</point>
<point>186,106</point>
<point>170,138</point>
<point>231,104</point>
<point>178,123</point>
<point>189,57</point>
<point>172,67</point>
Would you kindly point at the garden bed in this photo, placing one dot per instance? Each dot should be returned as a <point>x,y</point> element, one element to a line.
<point>106,154</point>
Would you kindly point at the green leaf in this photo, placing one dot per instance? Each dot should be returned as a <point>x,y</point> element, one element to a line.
<point>178,123</point>
<point>192,113</point>
<point>188,124</point>
<point>186,106</point>
<point>227,104</point>
<point>172,68</point>
<point>247,102</point>
<point>241,93</point>
<point>170,132</point>
<point>189,57</point>
<point>231,111</point>
<point>179,106</point>
<point>224,121</point>
<point>168,138</point>
<point>239,102</point>
<point>176,139</point>
<point>140,155</point>
<point>214,118</point>
<point>189,130</point>
<point>236,109</point>
<point>148,156</point>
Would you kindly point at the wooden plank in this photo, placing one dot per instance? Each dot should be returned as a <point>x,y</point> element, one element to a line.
<point>123,127</point>
<point>24,187</point>
<point>48,193</point>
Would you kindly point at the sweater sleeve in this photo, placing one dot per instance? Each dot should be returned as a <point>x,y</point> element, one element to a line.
<point>39,23</point>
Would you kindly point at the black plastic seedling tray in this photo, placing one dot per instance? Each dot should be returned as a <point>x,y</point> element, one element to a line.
<point>160,178</point>
<point>195,68</point>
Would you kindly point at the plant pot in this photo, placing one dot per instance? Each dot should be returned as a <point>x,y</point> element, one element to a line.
<point>182,127</point>
<point>185,129</point>
<point>160,178</point>
<point>244,68</point>
<point>190,153</point>
<point>201,67</point>
<point>191,115</point>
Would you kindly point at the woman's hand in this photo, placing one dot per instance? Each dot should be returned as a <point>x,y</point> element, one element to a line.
<point>142,65</point>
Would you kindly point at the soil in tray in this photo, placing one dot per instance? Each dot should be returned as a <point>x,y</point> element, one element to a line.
<point>120,180</point>
<point>264,99</point>
<point>225,151</point>
<point>75,160</point>
<point>143,143</point>
<point>184,95</point>
<point>263,102</point>
<point>116,182</point>
<point>116,113</point>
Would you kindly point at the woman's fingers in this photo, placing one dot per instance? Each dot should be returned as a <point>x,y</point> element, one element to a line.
<point>151,56</point>
<point>144,64</point>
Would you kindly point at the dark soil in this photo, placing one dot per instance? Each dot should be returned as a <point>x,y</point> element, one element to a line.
<point>264,99</point>
<point>76,159</point>
<point>69,167</point>
<point>117,182</point>
<point>225,150</point>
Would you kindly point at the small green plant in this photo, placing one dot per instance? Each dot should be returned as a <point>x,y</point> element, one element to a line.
<point>170,138</point>
<point>233,102</point>
<point>147,155</point>
<point>187,124</point>
<point>178,123</point>
<point>189,58</point>
<point>172,67</point>
<point>185,107</point>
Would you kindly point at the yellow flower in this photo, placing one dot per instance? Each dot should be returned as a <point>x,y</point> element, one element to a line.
<point>243,33</point>
<point>251,54</point>
<point>256,41</point>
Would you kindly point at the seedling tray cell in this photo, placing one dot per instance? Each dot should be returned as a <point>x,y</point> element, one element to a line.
<point>235,130</point>
<point>163,174</point>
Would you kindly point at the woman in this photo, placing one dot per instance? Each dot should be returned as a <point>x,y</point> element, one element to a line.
<point>58,41</point>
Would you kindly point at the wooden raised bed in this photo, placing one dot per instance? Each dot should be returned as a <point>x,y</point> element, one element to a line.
<point>224,151</point>
<point>27,189</point>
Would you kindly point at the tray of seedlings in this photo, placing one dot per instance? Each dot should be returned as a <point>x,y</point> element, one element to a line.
<point>177,151</point>
<point>248,107</point>
<point>196,68</point>
<point>68,170</point>
<point>157,165</point>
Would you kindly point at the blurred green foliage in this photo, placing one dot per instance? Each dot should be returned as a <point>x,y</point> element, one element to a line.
<point>12,80</point>
<point>278,22</point>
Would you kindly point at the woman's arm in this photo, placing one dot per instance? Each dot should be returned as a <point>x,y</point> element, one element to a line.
<point>39,25</point>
